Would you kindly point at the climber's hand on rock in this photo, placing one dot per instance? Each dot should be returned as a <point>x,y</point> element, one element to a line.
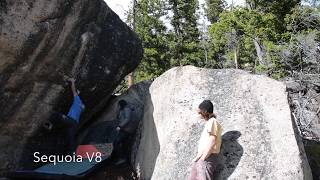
<point>72,80</point>
<point>118,128</point>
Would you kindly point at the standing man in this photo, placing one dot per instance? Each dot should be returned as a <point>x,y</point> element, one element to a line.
<point>205,163</point>
<point>126,129</point>
<point>71,120</point>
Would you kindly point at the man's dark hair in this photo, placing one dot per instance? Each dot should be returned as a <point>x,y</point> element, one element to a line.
<point>206,106</point>
<point>122,103</point>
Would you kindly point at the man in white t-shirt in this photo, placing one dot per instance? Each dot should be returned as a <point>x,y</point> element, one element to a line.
<point>205,163</point>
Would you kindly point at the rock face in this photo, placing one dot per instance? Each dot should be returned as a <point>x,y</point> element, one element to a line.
<point>42,43</point>
<point>259,141</point>
<point>136,97</point>
<point>305,101</point>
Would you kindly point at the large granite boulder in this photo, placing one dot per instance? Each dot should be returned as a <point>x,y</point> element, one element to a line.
<point>259,139</point>
<point>42,43</point>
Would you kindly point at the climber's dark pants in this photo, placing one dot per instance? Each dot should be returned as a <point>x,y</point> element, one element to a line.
<point>121,145</point>
<point>204,170</point>
<point>69,126</point>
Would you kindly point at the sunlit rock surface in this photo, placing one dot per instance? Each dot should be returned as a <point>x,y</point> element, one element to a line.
<point>259,141</point>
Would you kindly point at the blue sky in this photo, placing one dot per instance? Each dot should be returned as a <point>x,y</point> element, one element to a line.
<point>121,6</point>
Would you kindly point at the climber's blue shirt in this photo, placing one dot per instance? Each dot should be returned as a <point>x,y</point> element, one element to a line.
<point>76,109</point>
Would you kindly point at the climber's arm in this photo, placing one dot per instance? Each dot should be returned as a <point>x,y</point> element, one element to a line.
<point>73,86</point>
<point>197,157</point>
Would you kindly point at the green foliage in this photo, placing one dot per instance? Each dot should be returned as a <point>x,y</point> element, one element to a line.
<point>276,38</point>
<point>152,31</point>
<point>266,37</point>
<point>279,8</point>
<point>236,29</point>
<point>300,52</point>
<point>302,19</point>
<point>213,9</point>
<point>184,39</point>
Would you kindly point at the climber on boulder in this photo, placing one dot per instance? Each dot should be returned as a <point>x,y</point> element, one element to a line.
<point>205,163</point>
<point>72,119</point>
<point>77,106</point>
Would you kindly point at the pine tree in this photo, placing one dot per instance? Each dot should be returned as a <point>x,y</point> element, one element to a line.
<point>279,8</point>
<point>244,36</point>
<point>153,33</point>
<point>213,9</point>
<point>185,41</point>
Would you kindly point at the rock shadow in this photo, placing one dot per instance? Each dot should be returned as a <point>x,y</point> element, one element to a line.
<point>101,132</point>
<point>44,142</point>
<point>147,146</point>
<point>230,155</point>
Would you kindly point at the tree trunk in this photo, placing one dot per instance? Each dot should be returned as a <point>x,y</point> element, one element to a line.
<point>131,75</point>
<point>236,56</point>
<point>259,51</point>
